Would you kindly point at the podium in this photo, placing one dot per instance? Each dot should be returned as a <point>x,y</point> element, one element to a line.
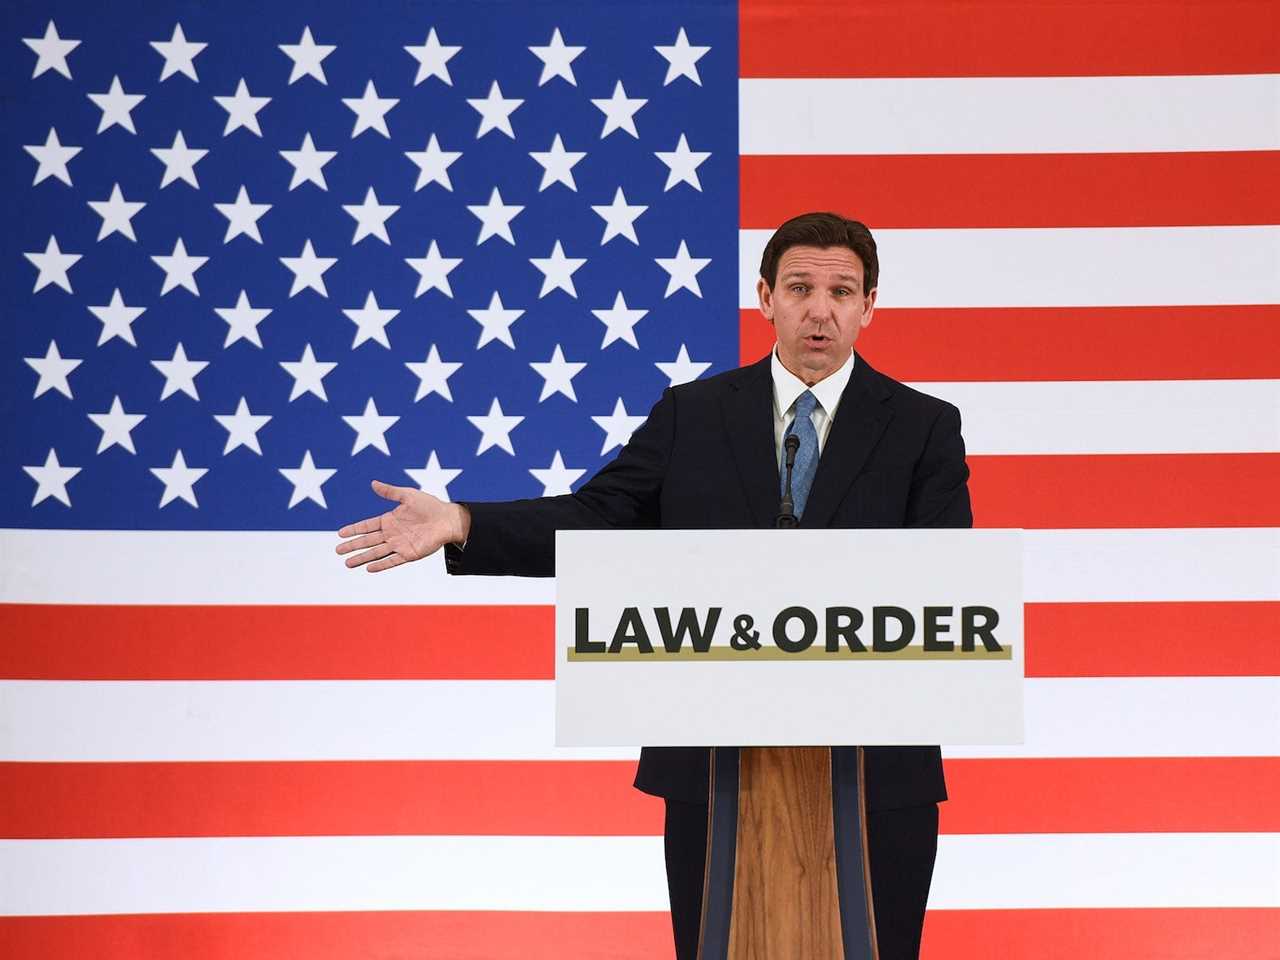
<point>788,650</point>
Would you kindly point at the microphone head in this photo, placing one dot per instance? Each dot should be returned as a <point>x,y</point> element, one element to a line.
<point>791,443</point>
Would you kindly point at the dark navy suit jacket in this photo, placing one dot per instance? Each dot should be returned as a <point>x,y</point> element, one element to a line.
<point>706,459</point>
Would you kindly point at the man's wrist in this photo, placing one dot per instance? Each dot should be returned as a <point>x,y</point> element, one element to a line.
<point>462,525</point>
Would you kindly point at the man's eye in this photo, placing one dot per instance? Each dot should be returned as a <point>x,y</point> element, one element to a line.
<point>798,288</point>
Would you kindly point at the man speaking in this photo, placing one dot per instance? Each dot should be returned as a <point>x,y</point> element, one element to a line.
<point>872,453</point>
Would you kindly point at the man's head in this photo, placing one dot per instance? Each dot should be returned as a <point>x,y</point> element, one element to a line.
<point>817,287</point>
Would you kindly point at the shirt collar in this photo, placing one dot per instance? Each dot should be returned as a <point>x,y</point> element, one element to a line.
<point>787,387</point>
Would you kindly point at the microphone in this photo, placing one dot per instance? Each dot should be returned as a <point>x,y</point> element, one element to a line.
<point>787,519</point>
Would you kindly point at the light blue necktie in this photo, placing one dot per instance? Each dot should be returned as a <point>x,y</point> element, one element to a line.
<point>806,457</point>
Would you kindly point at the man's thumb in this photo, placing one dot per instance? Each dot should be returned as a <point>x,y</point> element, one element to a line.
<point>388,491</point>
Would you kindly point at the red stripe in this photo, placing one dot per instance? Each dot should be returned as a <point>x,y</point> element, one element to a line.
<point>1000,38</point>
<point>591,798</point>
<point>189,642</point>
<point>1137,934</point>
<point>1110,491</point>
<point>51,642</point>
<point>1152,639</point>
<point>1023,190</point>
<point>1184,934</point>
<point>1060,343</point>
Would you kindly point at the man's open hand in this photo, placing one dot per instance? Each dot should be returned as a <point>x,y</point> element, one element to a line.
<point>419,526</point>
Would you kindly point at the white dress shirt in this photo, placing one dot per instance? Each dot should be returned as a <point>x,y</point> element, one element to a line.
<point>787,388</point>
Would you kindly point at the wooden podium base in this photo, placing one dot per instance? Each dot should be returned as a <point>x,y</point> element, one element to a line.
<point>787,874</point>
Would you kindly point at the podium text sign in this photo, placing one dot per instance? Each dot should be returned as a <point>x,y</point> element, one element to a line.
<point>788,638</point>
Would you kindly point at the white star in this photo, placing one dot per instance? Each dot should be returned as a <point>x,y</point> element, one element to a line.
<point>117,319</point>
<point>682,59</point>
<point>619,112</point>
<point>179,54</point>
<point>242,320</point>
<point>51,479</point>
<point>308,163</point>
<point>619,219</point>
<point>242,109</point>
<point>307,479</point>
<point>433,478</point>
<point>53,369</point>
<point>557,271</point>
<point>242,216</point>
<point>53,265</point>
<point>52,158</point>
<point>308,374</point>
<point>556,59</point>
<point>557,375</point>
<point>371,217</point>
<point>179,373</point>
<point>179,161</point>
<point>308,270</point>
<point>370,428</point>
<point>433,164</point>
<point>682,369</point>
<point>619,322</point>
<point>682,165</point>
<point>307,57</point>
<point>683,271</point>
<point>370,110</point>
<point>371,322</point>
<point>242,428</point>
<point>117,214</point>
<point>179,268</point>
<point>433,271</point>
<point>495,112</point>
<point>116,426</point>
<point>557,479</point>
<point>116,106</point>
<point>495,218</point>
<point>179,480</point>
<point>495,322</point>
<point>557,165</point>
<point>432,59</point>
<point>51,51</point>
<point>433,375</point>
<point>617,426</point>
<point>495,429</point>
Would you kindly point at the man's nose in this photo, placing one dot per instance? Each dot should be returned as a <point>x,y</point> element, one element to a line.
<point>822,307</point>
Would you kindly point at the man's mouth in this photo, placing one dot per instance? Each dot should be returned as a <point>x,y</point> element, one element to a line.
<point>817,340</point>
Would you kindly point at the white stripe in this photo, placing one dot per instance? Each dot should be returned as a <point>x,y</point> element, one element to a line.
<point>257,874</point>
<point>92,721</point>
<point>233,567</point>
<point>1116,416</point>
<point>1009,115</point>
<point>1061,266</point>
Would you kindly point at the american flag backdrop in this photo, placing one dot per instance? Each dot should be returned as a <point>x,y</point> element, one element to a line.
<point>256,255</point>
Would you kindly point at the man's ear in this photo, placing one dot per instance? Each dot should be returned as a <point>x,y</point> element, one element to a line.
<point>871,306</point>
<point>766,299</point>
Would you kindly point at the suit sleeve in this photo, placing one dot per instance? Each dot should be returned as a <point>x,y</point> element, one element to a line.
<point>939,494</point>
<point>517,537</point>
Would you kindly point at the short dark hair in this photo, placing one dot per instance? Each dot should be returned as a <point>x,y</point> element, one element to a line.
<point>822,230</point>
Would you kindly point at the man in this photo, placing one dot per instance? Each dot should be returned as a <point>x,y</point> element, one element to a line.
<point>873,453</point>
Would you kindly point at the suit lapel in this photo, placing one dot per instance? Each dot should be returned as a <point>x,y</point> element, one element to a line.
<point>748,415</point>
<point>860,420</point>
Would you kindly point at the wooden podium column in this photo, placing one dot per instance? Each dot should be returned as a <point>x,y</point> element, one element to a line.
<point>786,872</point>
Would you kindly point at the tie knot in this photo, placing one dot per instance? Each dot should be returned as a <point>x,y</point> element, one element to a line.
<point>806,403</point>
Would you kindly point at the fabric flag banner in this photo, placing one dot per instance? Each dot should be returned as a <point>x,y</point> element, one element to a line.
<point>259,255</point>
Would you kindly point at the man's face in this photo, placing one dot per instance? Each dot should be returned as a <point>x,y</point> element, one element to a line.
<point>817,307</point>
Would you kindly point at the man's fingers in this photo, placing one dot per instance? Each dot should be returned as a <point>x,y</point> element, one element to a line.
<point>373,553</point>
<point>392,561</point>
<point>368,540</point>
<point>371,525</point>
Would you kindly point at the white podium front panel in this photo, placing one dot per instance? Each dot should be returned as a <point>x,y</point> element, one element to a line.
<point>788,637</point>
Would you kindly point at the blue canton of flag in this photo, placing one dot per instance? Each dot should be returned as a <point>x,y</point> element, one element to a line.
<point>254,261</point>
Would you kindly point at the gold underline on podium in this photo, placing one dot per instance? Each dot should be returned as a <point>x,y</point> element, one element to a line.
<point>772,654</point>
